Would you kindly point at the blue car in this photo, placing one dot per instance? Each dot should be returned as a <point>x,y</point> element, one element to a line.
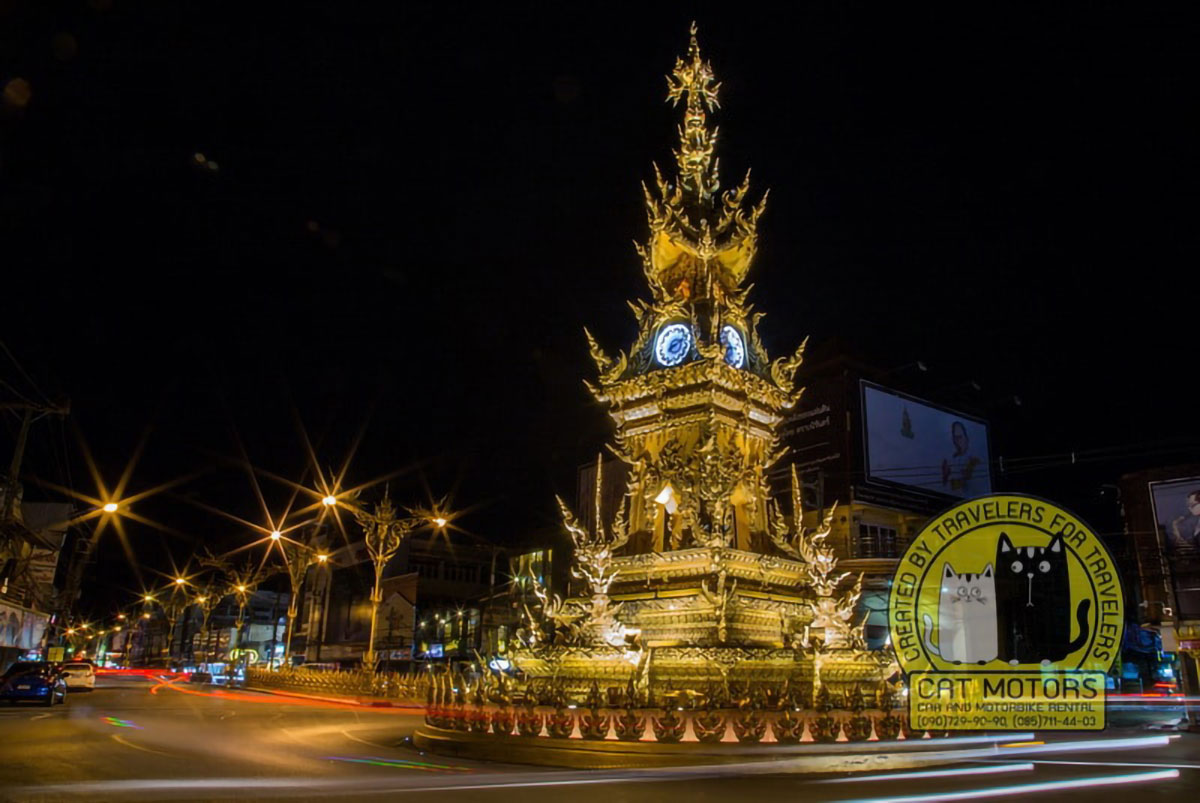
<point>33,680</point>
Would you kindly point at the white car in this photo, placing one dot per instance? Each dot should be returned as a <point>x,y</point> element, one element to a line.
<point>79,675</point>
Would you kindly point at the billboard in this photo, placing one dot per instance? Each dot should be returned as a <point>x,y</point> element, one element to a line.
<point>915,444</point>
<point>1177,514</point>
<point>21,627</point>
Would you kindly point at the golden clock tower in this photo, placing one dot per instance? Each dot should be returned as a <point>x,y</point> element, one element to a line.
<point>698,577</point>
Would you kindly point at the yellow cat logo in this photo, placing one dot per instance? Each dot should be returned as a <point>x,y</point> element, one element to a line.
<point>1005,613</point>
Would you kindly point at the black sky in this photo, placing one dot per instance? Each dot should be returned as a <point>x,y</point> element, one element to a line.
<point>417,210</point>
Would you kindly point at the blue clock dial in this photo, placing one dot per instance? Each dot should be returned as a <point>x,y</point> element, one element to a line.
<point>735,347</point>
<point>673,343</point>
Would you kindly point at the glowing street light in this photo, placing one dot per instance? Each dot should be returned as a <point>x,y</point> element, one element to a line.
<point>383,533</point>
<point>180,581</point>
<point>110,507</point>
<point>276,535</point>
<point>441,521</point>
<point>322,557</point>
<point>329,501</point>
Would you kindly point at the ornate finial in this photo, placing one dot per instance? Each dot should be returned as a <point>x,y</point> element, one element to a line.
<point>694,78</point>
<point>698,237</point>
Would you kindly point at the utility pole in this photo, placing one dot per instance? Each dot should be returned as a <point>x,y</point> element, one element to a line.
<point>12,552</point>
<point>14,466</point>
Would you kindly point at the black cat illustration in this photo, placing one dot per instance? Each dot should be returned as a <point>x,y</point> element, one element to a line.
<point>1033,594</point>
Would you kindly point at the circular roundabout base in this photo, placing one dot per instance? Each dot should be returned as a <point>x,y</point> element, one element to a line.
<point>809,758</point>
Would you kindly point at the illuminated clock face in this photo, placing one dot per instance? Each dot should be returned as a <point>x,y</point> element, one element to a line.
<point>673,344</point>
<point>735,347</point>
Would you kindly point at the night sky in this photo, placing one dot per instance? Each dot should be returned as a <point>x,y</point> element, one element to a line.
<point>414,212</point>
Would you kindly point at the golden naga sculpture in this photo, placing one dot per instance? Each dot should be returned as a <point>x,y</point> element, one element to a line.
<point>697,578</point>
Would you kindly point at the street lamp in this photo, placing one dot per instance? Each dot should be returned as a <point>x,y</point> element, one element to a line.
<point>383,533</point>
<point>243,582</point>
<point>208,600</point>
<point>297,557</point>
<point>110,507</point>
<point>329,501</point>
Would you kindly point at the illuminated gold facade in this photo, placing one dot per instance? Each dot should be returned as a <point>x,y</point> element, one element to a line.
<point>700,584</point>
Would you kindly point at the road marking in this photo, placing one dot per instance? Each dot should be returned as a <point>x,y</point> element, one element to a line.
<point>41,716</point>
<point>116,737</point>
<point>348,735</point>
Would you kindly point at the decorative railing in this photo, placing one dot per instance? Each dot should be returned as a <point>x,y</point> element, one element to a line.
<point>410,687</point>
<point>672,725</point>
<point>450,704</point>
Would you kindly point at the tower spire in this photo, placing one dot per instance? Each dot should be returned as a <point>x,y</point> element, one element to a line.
<point>699,239</point>
<point>692,80</point>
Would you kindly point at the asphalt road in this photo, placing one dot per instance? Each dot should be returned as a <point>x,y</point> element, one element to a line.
<point>135,739</point>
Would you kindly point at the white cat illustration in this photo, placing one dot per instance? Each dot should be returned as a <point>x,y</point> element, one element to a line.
<point>966,627</point>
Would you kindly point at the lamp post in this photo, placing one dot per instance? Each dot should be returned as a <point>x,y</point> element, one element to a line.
<point>297,557</point>
<point>176,605</point>
<point>207,600</point>
<point>383,533</point>
<point>242,587</point>
<point>148,600</point>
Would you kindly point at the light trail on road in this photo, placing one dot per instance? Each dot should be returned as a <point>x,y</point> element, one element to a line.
<point>1026,789</point>
<point>954,773</point>
<point>281,699</point>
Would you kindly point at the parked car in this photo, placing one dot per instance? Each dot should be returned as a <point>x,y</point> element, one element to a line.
<point>33,680</point>
<point>79,675</point>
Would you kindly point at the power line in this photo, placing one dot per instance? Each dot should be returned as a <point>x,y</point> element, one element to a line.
<point>45,399</point>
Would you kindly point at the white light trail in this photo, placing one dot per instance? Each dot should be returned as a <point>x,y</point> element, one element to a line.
<point>1119,764</point>
<point>906,776</point>
<point>1028,788</point>
<point>1089,744</point>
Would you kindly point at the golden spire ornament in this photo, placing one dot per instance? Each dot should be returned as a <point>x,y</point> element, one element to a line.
<point>693,80</point>
<point>698,248</point>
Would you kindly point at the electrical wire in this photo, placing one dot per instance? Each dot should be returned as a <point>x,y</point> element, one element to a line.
<point>45,399</point>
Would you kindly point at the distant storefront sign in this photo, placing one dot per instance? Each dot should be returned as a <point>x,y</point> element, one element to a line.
<point>251,656</point>
<point>1006,613</point>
